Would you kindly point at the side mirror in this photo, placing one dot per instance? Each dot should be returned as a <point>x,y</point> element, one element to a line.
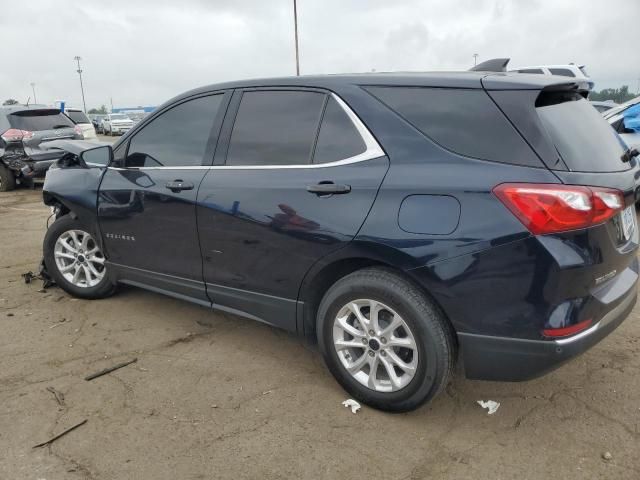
<point>97,157</point>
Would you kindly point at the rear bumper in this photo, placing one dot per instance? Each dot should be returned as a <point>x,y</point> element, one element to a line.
<point>514,359</point>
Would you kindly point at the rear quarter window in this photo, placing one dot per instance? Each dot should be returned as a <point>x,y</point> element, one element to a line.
<point>466,122</point>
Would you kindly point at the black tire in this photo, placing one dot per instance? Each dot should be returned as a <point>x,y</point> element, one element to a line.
<point>434,337</point>
<point>7,179</point>
<point>62,225</point>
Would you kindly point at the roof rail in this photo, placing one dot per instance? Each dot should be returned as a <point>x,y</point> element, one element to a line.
<point>492,65</point>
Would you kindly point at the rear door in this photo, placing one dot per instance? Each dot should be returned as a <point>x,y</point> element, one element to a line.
<point>293,181</point>
<point>147,210</point>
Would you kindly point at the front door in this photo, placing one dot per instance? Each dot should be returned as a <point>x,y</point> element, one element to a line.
<point>300,174</point>
<point>147,210</point>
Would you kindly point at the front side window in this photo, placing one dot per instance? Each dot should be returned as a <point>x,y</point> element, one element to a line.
<point>178,137</point>
<point>275,127</point>
<point>338,138</point>
<point>563,72</point>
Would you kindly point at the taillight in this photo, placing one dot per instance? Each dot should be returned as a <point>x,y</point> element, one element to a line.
<point>15,135</point>
<point>566,331</point>
<point>78,130</point>
<point>549,208</point>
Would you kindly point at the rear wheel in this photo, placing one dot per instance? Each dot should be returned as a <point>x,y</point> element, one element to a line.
<point>386,343</point>
<point>7,179</point>
<point>74,260</point>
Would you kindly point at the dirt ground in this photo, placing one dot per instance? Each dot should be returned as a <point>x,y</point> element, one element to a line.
<point>214,396</point>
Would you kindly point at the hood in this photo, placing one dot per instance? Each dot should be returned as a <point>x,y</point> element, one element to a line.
<point>75,147</point>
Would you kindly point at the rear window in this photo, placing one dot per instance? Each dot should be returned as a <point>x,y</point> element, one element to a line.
<point>466,122</point>
<point>338,138</point>
<point>531,70</point>
<point>37,120</point>
<point>78,117</point>
<point>583,139</point>
<point>563,72</point>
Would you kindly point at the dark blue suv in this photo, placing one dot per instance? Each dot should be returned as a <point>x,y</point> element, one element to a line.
<point>404,221</point>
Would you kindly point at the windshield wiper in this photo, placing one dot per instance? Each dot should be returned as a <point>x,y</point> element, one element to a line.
<point>629,153</point>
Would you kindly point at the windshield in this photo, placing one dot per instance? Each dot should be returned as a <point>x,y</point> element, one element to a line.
<point>37,120</point>
<point>119,116</point>
<point>77,116</point>
<point>621,108</point>
<point>582,138</point>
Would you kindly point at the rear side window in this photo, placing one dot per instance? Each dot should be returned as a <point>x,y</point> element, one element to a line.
<point>275,128</point>
<point>38,120</point>
<point>466,122</point>
<point>78,117</point>
<point>583,139</point>
<point>338,138</point>
<point>178,137</point>
<point>564,72</point>
<point>531,70</point>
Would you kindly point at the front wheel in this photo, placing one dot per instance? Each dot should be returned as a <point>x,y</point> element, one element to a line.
<point>384,340</point>
<point>7,179</point>
<point>74,260</point>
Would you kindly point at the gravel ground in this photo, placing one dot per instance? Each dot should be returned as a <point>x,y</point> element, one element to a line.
<point>214,396</point>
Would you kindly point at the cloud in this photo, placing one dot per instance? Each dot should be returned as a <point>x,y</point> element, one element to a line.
<point>147,51</point>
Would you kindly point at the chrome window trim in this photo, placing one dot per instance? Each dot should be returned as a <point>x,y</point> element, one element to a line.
<point>372,150</point>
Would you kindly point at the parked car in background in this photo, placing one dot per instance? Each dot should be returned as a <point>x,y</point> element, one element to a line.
<point>96,120</point>
<point>603,106</point>
<point>398,219</point>
<point>116,124</point>
<point>24,131</point>
<point>80,118</point>
<point>570,70</point>
<point>625,119</point>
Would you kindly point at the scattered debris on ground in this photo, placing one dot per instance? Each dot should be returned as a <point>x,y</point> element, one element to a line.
<point>59,395</point>
<point>51,440</point>
<point>607,456</point>
<point>490,405</point>
<point>109,370</point>
<point>355,406</point>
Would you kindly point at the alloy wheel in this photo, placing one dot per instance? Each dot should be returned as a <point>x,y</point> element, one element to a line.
<point>79,259</point>
<point>375,345</point>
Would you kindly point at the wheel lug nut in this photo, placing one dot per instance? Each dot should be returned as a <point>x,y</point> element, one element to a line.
<point>371,353</point>
<point>364,341</point>
<point>372,333</point>
<point>383,353</point>
<point>383,340</point>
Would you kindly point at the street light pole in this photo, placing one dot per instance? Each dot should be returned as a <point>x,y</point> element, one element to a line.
<point>295,23</point>
<point>33,88</point>
<point>84,105</point>
<point>475,59</point>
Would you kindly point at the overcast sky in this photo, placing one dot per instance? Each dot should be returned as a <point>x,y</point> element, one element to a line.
<point>142,52</point>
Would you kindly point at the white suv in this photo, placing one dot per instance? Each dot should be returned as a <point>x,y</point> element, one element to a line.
<point>116,123</point>
<point>571,70</point>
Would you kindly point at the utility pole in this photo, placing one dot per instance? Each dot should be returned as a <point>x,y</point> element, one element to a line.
<point>295,23</point>
<point>475,59</point>
<point>33,88</point>
<point>84,105</point>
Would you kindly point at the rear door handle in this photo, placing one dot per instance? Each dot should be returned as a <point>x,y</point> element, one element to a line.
<point>178,185</point>
<point>328,188</point>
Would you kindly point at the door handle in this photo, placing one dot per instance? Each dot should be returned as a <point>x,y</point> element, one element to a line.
<point>178,185</point>
<point>328,188</point>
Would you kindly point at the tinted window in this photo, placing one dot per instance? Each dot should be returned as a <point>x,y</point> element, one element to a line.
<point>37,120</point>
<point>275,128</point>
<point>463,121</point>
<point>531,70</point>
<point>78,117</point>
<point>565,72</point>
<point>338,138</point>
<point>584,140</point>
<point>178,137</point>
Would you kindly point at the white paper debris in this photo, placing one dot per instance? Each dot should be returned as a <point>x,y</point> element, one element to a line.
<point>355,406</point>
<point>489,404</point>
